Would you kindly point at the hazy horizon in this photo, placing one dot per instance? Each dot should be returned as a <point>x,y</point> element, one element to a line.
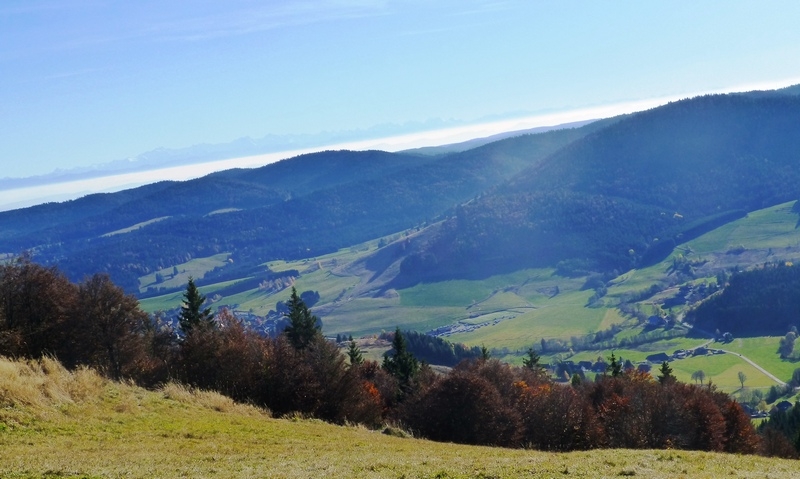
<point>86,83</point>
<point>57,191</point>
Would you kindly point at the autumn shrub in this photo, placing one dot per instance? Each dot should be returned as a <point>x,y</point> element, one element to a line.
<point>227,358</point>
<point>463,407</point>
<point>556,418</point>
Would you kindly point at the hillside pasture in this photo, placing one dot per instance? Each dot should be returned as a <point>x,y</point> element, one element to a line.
<point>134,227</point>
<point>77,425</point>
<point>722,370</point>
<point>561,316</point>
<point>764,352</point>
<point>774,227</point>
<point>195,268</point>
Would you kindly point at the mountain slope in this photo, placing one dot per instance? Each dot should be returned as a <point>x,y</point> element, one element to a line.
<point>626,194</point>
<point>300,207</point>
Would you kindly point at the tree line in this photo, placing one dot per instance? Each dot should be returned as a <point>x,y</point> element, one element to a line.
<point>481,401</point>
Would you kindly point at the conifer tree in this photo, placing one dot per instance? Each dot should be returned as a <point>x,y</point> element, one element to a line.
<point>614,366</point>
<point>354,353</point>
<point>192,314</point>
<point>666,375</point>
<point>532,360</point>
<point>402,365</point>
<point>485,354</point>
<point>303,326</point>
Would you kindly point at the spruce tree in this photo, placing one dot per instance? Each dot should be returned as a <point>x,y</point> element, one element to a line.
<point>192,315</point>
<point>303,326</point>
<point>485,354</point>
<point>532,360</point>
<point>402,365</point>
<point>354,353</point>
<point>666,375</point>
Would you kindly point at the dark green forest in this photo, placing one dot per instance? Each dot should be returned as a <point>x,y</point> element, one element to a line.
<point>764,301</point>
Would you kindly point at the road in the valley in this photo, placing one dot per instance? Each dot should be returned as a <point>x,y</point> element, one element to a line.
<point>745,358</point>
<point>767,373</point>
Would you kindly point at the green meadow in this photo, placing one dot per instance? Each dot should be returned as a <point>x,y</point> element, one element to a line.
<point>60,424</point>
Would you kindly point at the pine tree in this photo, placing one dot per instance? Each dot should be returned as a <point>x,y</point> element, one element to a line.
<point>303,326</point>
<point>354,353</point>
<point>192,314</point>
<point>532,361</point>
<point>614,366</point>
<point>402,365</point>
<point>666,375</point>
<point>485,354</point>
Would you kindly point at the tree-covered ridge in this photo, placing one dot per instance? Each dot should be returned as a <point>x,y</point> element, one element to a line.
<point>614,198</point>
<point>764,301</point>
<point>301,207</point>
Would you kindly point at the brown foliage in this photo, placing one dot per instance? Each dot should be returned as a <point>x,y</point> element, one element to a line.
<point>227,358</point>
<point>463,407</point>
<point>106,329</point>
<point>35,303</point>
<point>775,444</point>
<point>557,418</point>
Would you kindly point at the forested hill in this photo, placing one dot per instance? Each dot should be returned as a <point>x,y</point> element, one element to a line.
<point>764,301</point>
<point>624,195</point>
<point>299,207</point>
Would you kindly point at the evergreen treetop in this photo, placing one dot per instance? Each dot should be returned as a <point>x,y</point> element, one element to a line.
<point>402,365</point>
<point>614,366</point>
<point>354,353</point>
<point>666,375</point>
<point>303,326</point>
<point>192,315</point>
<point>532,361</point>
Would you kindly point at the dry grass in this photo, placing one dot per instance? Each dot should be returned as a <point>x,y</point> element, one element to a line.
<point>209,400</point>
<point>77,425</point>
<point>39,385</point>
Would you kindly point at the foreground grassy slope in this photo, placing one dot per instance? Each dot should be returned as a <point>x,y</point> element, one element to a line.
<point>59,424</point>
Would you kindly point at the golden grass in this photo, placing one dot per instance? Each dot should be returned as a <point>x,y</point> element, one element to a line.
<point>45,383</point>
<point>80,425</point>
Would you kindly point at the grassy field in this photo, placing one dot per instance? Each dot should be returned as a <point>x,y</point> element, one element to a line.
<point>195,268</point>
<point>561,316</point>
<point>722,370</point>
<point>77,425</point>
<point>764,352</point>
<point>773,227</point>
<point>135,227</point>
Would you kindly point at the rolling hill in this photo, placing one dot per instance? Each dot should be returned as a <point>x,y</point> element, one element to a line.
<point>625,195</point>
<point>295,208</point>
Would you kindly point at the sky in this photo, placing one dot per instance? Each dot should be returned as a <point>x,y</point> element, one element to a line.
<point>93,81</point>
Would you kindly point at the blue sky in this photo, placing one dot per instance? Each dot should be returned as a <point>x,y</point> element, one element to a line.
<point>87,82</point>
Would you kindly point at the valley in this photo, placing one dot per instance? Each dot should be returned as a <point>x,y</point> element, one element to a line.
<point>515,311</point>
<point>576,242</point>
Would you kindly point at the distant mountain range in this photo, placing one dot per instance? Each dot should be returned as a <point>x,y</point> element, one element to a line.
<point>612,194</point>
